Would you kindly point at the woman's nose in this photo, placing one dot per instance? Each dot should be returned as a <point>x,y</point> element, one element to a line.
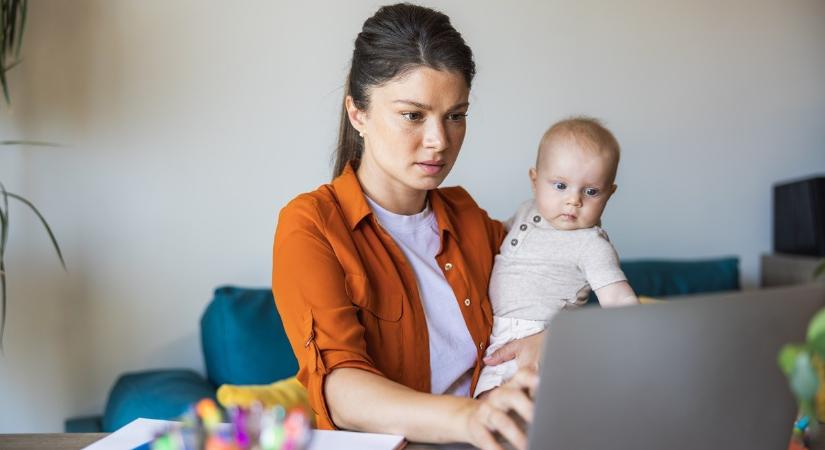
<point>435,136</point>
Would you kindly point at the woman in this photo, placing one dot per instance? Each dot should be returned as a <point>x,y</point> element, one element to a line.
<point>381,278</point>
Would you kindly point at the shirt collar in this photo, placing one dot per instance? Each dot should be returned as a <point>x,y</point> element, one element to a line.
<point>354,204</point>
<point>536,219</point>
<point>444,215</point>
<point>351,197</point>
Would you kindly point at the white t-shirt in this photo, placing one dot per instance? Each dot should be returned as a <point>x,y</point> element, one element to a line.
<point>541,270</point>
<point>452,350</point>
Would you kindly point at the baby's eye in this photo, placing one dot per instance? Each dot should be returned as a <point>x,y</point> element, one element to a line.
<point>457,117</point>
<point>591,192</point>
<point>412,116</point>
<point>559,186</point>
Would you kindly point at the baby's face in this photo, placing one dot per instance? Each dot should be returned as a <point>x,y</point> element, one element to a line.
<point>572,185</point>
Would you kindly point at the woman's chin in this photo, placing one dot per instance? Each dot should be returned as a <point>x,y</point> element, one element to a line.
<point>427,183</point>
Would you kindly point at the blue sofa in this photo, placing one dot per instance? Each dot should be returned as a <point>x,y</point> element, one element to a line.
<point>244,343</point>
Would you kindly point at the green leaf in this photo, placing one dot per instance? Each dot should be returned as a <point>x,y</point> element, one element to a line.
<point>4,82</point>
<point>34,143</point>
<point>819,270</point>
<point>24,6</point>
<point>45,225</point>
<point>816,333</point>
<point>787,357</point>
<point>804,381</point>
<point>4,233</point>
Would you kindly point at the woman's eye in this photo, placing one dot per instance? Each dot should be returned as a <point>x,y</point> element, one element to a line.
<point>591,192</point>
<point>412,116</point>
<point>559,186</point>
<point>456,117</point>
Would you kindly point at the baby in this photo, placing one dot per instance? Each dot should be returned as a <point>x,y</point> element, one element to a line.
<point>555,251</point>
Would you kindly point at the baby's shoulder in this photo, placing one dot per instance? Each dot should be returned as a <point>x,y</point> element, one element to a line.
<point>523,209</point>
<point>587,237</point>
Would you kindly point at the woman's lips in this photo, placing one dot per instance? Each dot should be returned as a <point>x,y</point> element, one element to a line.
<point>430,168</point>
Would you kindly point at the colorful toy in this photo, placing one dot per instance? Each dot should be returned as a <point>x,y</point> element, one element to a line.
<point>252,428</point>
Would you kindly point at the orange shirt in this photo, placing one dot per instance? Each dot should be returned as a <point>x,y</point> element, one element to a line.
<point>348,297</point>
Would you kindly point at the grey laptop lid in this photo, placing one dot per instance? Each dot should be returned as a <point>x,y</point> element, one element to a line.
<point>687,374</point>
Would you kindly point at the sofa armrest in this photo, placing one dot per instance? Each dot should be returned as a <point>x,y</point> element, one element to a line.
<point>154,394</point>
<point>86,424</point>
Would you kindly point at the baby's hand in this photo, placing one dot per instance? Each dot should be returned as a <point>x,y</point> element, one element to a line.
<point>526,352</point>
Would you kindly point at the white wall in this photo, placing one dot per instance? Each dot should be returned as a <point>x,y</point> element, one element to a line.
<point>186,125</point>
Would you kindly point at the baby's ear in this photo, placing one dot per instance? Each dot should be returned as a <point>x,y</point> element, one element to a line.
<point>613,189</point>
<point>533,176</point>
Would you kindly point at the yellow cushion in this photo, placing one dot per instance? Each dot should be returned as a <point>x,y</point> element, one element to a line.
<point>649,300</point>
<point>288,393</point>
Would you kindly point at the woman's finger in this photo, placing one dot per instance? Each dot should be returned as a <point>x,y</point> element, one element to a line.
<point>526,378</point>
<point>507,427</point>
<point>481,427</point>
<point>507,352</point>
<point>486,441</point>
<point>512,397</point>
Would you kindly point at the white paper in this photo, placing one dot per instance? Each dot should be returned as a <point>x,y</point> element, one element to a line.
<point>348,440</point>
<point>141,431</point>
<point>137,432</point>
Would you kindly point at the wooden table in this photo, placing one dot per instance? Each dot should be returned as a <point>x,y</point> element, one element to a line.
<point>76,441</point>
<point>61,441</point>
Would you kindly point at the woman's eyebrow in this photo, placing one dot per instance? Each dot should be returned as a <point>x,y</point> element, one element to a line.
<point>427,107</point>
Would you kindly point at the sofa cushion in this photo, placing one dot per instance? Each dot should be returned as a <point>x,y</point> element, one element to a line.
<point>85,424</point>
<point>655,278</point>
<point>154,394</point>
<point>243,339</point>
<point>668,278</point>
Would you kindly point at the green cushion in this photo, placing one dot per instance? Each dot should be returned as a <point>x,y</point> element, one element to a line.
<point>88,424</point>
<point>155,394</point>
<point>669,278</point>
<point>243,339</point>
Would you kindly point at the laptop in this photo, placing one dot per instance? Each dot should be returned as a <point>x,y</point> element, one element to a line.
<point>687,374</point>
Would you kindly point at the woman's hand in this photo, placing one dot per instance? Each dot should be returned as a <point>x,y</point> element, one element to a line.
<point>526,352</point>
<point>504,411</point>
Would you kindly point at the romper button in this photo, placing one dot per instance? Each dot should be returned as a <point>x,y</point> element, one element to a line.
<point>523,227</point>
<point>467,301</point>
<point>514,242</point>
<point>448,266</point>
<point>537,219</point>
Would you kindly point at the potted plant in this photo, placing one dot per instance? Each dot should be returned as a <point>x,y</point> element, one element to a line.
<point>804,365</point>
<point>13,22</point>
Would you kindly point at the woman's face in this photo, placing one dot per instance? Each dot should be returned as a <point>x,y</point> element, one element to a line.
<point>413,129</point>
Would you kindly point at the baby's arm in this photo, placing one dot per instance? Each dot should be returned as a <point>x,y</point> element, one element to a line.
<point>617,294</point>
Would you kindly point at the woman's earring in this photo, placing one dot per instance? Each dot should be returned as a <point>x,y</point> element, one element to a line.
<point>361,133</point>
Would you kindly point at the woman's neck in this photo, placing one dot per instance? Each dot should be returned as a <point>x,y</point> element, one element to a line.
<point>389,193</point>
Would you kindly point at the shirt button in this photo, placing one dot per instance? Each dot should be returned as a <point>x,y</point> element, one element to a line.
<point>537,219</point>
<point>514,242</point>
<point>448,266</point>
<point>523,227</point>
<point>467,302</point>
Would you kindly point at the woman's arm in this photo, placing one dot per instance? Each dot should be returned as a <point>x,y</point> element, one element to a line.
<point>397,409</point>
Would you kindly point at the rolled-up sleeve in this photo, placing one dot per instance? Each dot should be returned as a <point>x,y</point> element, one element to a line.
<point>319,318</point>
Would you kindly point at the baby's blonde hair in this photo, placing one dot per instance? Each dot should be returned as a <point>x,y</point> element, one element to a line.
<point>589,134</point>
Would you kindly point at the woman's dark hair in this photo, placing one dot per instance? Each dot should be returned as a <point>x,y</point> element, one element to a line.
<point>397,39</point>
